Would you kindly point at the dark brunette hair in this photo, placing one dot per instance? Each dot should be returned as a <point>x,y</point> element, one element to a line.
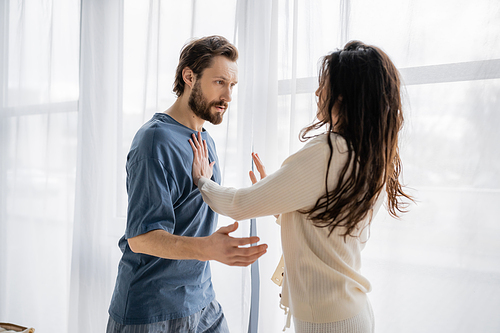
<point>198,55</point>
<point>366,85</point>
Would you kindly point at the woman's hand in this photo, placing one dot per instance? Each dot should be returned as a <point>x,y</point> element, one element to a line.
<point>201,165</point>
<point>260,167</point>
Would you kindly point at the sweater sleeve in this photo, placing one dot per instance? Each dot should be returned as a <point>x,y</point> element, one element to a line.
<point>296,185</point>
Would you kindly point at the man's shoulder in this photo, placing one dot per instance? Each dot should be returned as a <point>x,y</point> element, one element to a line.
<point>157,127</point>
<point>156,139</point>
<point>161,131</point>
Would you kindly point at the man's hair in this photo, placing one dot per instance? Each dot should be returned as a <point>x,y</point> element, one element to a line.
<point>199,54</point>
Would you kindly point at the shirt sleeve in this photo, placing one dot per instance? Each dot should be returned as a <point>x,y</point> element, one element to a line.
<point>298,184</point>
<point>150,204</point>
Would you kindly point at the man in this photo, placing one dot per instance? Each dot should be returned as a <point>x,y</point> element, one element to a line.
<point>164,280</point>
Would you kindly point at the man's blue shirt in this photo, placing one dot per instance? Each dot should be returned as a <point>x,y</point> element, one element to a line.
<point>161,195</point>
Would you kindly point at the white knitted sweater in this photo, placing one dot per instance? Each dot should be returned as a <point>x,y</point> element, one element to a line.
<point>322,281</point>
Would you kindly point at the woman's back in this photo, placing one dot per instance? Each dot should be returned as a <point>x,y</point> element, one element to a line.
<point>323,282</point>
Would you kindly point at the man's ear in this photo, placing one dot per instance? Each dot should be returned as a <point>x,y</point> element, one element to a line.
<point>188,76</point>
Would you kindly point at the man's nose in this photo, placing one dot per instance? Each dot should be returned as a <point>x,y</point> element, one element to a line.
<point>227,95</point>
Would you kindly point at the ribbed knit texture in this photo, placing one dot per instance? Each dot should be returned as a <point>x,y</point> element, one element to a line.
<point>361,323</point>
<point>322,282</point>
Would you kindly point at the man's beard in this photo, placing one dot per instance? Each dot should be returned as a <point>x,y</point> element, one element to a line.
<point>202,108</point>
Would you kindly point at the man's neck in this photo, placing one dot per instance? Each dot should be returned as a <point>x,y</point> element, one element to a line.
<point>183,114</point>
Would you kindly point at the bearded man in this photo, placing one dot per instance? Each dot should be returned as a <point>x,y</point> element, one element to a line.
<point>164,280</point>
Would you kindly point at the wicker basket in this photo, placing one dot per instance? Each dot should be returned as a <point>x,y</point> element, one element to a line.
<point>7,328</point>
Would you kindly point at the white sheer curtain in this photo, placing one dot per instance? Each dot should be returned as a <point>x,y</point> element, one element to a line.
<point>99,109</point>
<point>78,78</point>
<point>39,92</point>
<point>437,270</point>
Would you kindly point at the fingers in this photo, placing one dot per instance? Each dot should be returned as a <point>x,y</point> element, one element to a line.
<point>199,143</point>
<point>246,241</point>
<point>234,226</point>
<point>199,146</point>
<point>195,141</point>
<point>257,161</point>
<point>235,251</point>
<point>252,250</point>
<point>247,256</point>
<point>205,148</point>
<point>228,229</point>
<point>252,177</point>
<point>202,167</point>
<point>236,242</point>
<point>248,260</point>
<point>202,146</point>
<point>195,151</point>
<point>259,165</point>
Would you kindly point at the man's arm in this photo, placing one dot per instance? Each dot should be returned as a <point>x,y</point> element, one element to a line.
<point>219,246</point>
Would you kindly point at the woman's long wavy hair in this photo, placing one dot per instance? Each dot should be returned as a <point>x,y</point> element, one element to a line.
<point>366,85</point>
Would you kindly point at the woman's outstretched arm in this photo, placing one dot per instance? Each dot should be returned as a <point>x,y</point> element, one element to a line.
<point>296,185</point>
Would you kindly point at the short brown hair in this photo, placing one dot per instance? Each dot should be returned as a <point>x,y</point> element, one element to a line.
<point>198,55</point>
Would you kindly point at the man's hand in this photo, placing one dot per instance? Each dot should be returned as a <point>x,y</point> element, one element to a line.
<point>228,250</point>
<point>201,165</point>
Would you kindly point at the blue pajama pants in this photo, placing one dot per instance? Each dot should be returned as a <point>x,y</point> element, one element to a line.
<point>209,320</point>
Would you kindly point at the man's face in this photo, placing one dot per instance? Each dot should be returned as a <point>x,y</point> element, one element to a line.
<point>212,91</point>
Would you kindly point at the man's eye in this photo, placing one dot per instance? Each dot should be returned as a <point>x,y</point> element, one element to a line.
<point>219,82</point>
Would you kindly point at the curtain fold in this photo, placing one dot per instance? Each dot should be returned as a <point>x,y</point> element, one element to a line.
<point>4,14</point>
<point>38,93</point>
<point>98,115</point>
<point>256,122</point>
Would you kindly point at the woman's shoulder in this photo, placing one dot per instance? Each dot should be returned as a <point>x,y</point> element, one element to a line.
<point>317,149</point>
<point>338,142</point>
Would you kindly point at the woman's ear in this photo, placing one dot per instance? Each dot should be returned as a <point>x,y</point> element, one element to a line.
<point>188,76</point>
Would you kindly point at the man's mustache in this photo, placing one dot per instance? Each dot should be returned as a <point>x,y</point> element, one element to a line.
<point>220,103</point>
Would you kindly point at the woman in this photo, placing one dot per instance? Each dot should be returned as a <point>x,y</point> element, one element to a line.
<point>328,192</point>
